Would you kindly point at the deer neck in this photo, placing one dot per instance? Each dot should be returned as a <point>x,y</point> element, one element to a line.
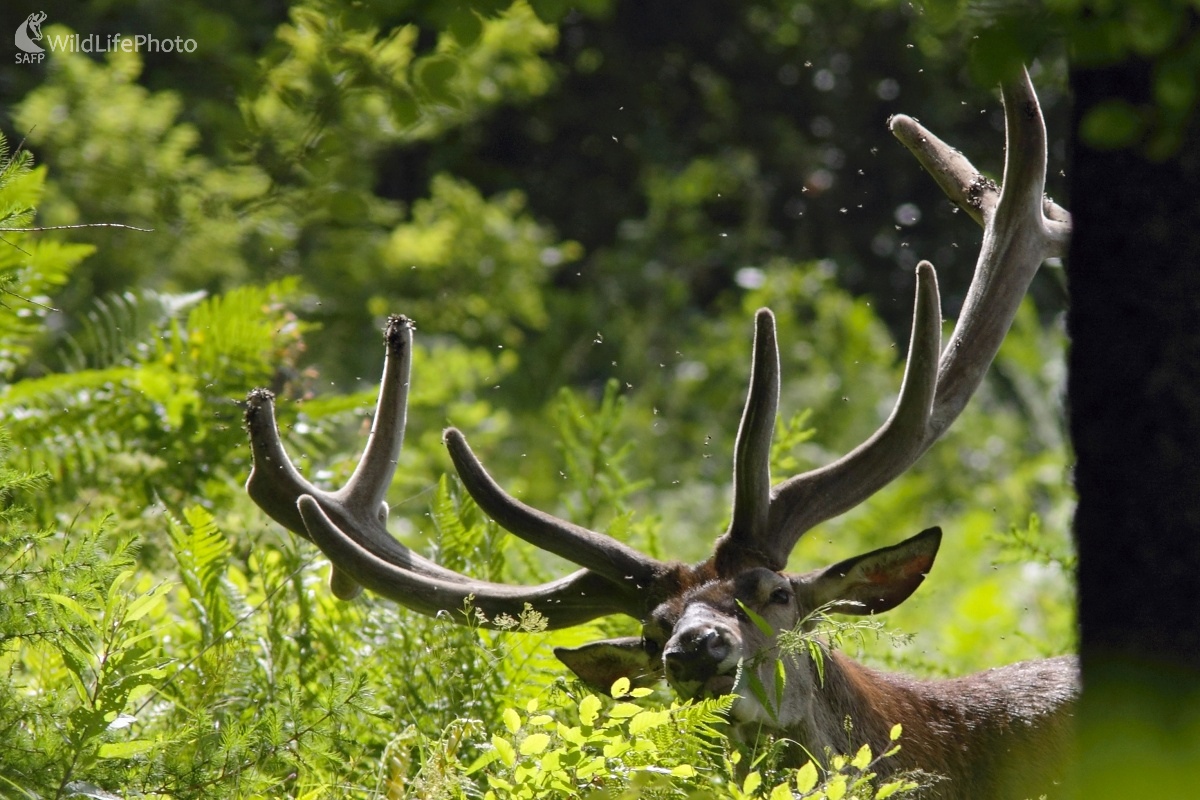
<point>857,705</point>
<point>850,707</point>
<point>973,731</point>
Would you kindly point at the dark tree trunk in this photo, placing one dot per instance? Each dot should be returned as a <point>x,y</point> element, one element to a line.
<point>1134,399</point>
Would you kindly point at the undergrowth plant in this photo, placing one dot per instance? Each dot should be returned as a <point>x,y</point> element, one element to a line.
<point>160,639</point>
<point>631,746</point>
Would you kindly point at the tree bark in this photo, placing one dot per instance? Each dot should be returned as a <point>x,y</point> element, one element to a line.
<point>1134,404</point>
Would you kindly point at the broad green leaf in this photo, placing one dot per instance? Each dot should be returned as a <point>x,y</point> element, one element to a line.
<point>496,782</point>
<point>754,684</point>
<point>780,678</point>
<point>781,792</point>
<point>589,709</point>
<point>508,753</point>
<point>887,790</point>
<point>572,735</point>
<point>862,759</point>
<point>550,11</point>
<point>591,767</point>
<point>616,748</point>
<point>620,687</point>
<point>897,729</point>
<point>511,719</point>
<point>143,605</point>
<point>71,604</point>
<point>647,720</point>
<point>466,26</point>
<point>125,749</point>
<point>806,778</point>
<point>818,658</point>
<point>434,74</point>
<point>485,759</point>
<point>552,761</point>
<point>625,710</point>
<point>752,782</point>
<point>757,619</point>
<point>535,744</point>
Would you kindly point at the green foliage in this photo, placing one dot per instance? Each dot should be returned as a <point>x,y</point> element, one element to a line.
<point>154,405</point>
<point>631,747</point>
<point>335,95</point>
<point>75,646</point>
<point>1098,33</point>
<point>595,454</point>
<point>488,249</point>
<point>93,699</point>
<point>321,164</point>
<point>627,749</point>
<point>1156,32</point>
<point>30,270</point>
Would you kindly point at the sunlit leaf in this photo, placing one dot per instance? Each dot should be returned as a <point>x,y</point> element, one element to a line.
<point>534,744</point>
<point>806,778</point>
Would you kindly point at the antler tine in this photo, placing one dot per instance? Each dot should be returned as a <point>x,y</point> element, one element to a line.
<point>752,458</point>
<point>275,484</point>
<point>1021,230</point>
<point>975,194</point>
<point>802,501</point>
<point>369,483</point>
<point>616,561</point>
<point>349,525</point>
<point>1017,237</point>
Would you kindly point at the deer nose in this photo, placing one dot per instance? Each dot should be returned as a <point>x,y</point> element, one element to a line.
<point>695,655</point>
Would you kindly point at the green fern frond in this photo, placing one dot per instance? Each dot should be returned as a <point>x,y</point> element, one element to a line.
<point>233,333</point>
<point>156,410</point>
<point>121,328</point>
<point>30,269</point>
<point>202,552</point>
<point>460,539</point>
<point>16,208</point>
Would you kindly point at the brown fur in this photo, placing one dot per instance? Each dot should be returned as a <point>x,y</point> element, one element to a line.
<point>1002,733</point>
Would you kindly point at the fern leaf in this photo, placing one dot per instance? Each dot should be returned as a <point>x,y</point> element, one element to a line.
<point>202,552</point>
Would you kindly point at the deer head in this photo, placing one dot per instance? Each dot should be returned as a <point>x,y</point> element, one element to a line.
<point>704,624</point>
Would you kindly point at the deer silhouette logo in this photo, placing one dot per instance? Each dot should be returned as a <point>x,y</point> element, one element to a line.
<point>29,33</point>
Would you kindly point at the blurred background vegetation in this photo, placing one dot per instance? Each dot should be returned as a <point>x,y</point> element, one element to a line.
<point>580,205</point>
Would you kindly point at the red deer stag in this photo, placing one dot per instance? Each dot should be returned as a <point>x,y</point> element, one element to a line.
<point>1004,733</point>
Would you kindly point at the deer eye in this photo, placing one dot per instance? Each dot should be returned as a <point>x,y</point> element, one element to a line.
<point>780,597</point>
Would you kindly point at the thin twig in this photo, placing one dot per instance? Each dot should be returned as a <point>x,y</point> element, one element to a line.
<point>42,229</point>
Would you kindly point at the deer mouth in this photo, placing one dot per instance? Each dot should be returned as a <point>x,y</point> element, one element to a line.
<point>719,685</point>
<point>713,686</point>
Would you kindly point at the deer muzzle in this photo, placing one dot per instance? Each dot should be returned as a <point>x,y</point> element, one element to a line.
<point>702,655</point>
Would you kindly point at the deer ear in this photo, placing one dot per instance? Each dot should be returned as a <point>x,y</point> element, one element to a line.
<point>877,581</point>
<point>599,664</point>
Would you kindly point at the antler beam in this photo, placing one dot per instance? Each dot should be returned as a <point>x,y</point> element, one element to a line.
<point>349,525</point>
<point>1021,230</point>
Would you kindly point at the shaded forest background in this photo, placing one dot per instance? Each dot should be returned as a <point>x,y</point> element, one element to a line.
<point>580,207</point>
